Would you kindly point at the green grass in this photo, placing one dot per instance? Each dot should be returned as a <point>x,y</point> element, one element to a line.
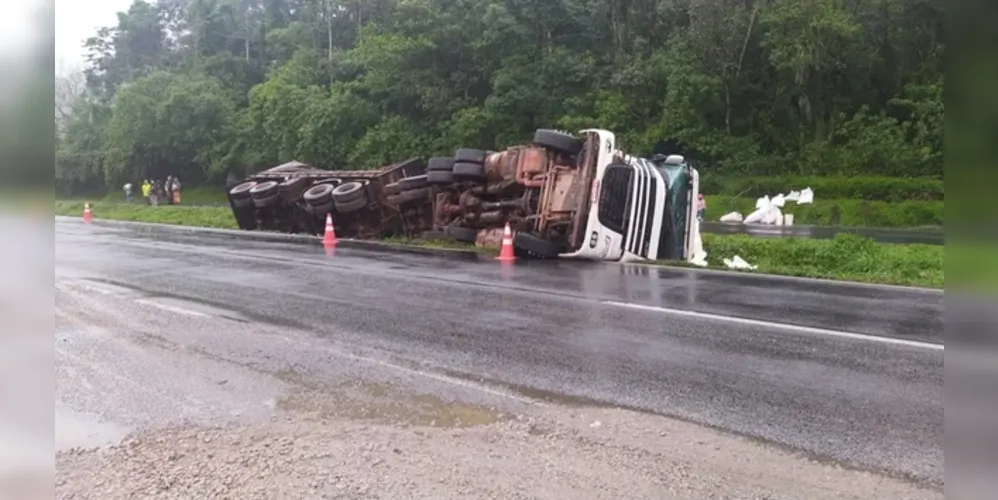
<point>846,257</point>
<point>218,217</point>
<point>849,213</point>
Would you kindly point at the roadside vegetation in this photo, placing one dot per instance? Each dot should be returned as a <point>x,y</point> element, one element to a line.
<point>211,89</point>
<point>841,212</point>
<point>847,257</point>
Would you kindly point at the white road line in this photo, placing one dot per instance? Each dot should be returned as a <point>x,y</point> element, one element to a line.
<point>168,307</point>
<point>783,326</point>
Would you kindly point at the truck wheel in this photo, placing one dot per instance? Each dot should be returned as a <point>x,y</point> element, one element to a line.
<point>469,156</point>
<point>267,201</point>
<point>345,193</point>
<point>462,234</point>
<point>440,177</point>
<point>410,183</point>
<point>351,206</point>
<point>414,195</point>
<point>469,172</point>
<point>242,190</point>
<point>264,189</point>
<point>392,189</point>
<point>559,141</point>
<point>536,245</point>
<point>319,194</point>
<point>440,163</point>
<point>243,202</point>
<point>321,209</point>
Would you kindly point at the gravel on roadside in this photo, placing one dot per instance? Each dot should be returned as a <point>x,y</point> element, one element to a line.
<point>565,453</point>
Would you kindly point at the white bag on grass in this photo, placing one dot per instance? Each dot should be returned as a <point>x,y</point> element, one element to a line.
<point>731,217</point>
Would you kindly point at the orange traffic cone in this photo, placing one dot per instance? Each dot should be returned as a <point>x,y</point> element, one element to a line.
<point>506,251</point>
<point>87,217</point>
<point>329,237</point>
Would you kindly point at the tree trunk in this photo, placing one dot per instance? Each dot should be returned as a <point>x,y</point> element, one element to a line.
<point>329,32</point>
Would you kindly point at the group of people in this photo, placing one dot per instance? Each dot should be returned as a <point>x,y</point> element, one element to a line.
<point>157,192</point>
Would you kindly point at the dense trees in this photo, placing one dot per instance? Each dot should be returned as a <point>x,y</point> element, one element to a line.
<point>202,88</point>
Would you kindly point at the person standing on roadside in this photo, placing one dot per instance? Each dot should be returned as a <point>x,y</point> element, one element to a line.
<point>168,187</point>
<point>175,188</point>
<point>147,191</point>
<point>701,207</point>
<point>128,192</point>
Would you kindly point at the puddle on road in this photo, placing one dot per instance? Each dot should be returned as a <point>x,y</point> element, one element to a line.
<point>383,403</point>
<point>75,429</point>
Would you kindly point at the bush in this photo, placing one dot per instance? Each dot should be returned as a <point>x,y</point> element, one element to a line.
<point>846,257</point>
<point>892,189</point>
<point>851,213</point>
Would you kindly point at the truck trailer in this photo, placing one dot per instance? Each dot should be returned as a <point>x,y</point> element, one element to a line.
<point>564,196</point>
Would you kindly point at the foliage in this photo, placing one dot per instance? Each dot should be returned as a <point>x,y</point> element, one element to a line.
<point>846,257</point>
<point>851,213</point>
<point>218,217</point>
<point>210,88</point>
<point>893,189</point>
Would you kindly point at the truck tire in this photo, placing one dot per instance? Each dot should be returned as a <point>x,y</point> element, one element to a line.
<point>321,209</point>
<point>410,183</point>
<point>244,202</point>
<point>414,195</point>
<point>242,190</point>
<point>347,192</point>
<point>469,156</point>
<point>264,189</point>
<point>557,140</point>
<point>462,234</point>
<point>392,189</point>
<point>535,245</point>
<point>267,201</point>
<point>469,172</point>
<point>350,206</point>
<point>440,177</point>
<point>319,194</point>
<point>440,163</point>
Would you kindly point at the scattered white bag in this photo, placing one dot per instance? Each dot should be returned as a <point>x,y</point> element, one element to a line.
<point>806,197</point>
<point>699,259</point>
<point>731,217</point>
<point>757,216</point>
<point>739,263</point>
<point>793,196</point>
<point>777,201</point>
<point>773,216</point>
<point>762,202</point>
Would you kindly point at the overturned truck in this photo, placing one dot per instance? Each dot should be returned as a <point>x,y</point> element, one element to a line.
<point>564,195</point>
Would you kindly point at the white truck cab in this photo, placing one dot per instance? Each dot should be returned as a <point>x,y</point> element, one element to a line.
<point>639,209</point>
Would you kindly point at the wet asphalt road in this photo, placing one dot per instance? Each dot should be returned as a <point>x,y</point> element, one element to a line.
<point>580,333</point>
